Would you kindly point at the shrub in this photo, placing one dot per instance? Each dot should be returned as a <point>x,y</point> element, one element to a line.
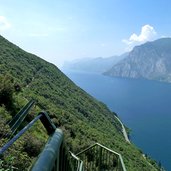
<point>6,91</point>
<point>32,145</point>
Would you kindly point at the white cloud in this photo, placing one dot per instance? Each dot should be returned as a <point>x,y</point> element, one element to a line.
<point>4,24</point>
<point>148,33</point>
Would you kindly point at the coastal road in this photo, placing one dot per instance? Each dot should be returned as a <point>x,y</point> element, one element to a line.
<point>123,130</point>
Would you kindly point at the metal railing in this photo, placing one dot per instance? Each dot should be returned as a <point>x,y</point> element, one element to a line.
<point>100,158</point>
<point>17,120</point>
<point>20,116</point>
<point>56,157</point>
<point>18,135</point>
<point>77,163</point>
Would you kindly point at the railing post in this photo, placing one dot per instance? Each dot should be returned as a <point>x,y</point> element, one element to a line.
<point>46,121</point>
<point>100,158</point>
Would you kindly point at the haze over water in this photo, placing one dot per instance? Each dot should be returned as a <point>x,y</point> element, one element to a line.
<point>144,106</point>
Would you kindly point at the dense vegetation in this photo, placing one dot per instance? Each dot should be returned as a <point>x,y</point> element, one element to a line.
<point>22,153</point>
<point>83,119</point>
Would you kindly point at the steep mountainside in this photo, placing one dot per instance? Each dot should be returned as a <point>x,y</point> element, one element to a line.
<point>83,119</point>
<point>98,65</point>
<point>151,60</point>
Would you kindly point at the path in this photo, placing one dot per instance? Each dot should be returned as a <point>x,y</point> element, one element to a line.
<point>123,130</point>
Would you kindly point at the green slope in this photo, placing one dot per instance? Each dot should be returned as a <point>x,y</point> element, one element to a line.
<point>83,119</point>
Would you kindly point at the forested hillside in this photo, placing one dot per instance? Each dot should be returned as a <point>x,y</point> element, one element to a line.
<point>83,119</point>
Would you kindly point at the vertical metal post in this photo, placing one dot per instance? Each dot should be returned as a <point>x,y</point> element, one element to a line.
<point>100,157</point>
<point>46,121</point>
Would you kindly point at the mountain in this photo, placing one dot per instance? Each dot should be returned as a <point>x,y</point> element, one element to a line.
<point>98,65</point>
<point>151,60</point>
<point>83,119</point>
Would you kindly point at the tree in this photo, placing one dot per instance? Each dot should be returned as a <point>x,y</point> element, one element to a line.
<point>6,91</point>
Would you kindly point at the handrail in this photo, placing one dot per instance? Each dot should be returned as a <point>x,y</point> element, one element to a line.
<point>114,152</point>
<point>100,154</point>
<point>18,119</point>
<point>122,162</point>
<point>9,143</point>
<point>50,127</point>
<point>47,123</point>
<point>79,162</point>
<point>86,149</point>
<point>55,156</point>
<point>50,153</point>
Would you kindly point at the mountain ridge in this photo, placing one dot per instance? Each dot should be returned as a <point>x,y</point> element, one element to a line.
<point>97,65</point>
<point>151,60</point>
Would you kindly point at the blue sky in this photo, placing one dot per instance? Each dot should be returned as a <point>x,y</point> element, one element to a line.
<point>62,30</point>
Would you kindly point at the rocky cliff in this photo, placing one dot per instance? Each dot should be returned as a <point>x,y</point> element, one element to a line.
<point>151,60</point>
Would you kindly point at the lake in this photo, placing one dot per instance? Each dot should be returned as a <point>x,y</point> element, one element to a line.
<point>144,106</point>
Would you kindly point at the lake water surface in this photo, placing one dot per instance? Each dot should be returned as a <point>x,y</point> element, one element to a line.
<point>144,106</point>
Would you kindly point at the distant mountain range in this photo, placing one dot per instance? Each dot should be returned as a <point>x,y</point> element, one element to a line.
<point>98,65</point>
<point>151,60</point>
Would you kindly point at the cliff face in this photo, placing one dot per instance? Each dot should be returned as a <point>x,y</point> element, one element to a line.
<point>151,60</point>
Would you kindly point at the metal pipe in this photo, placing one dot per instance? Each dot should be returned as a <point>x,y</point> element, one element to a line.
<point>48,156</point>
<point>9,143</point>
